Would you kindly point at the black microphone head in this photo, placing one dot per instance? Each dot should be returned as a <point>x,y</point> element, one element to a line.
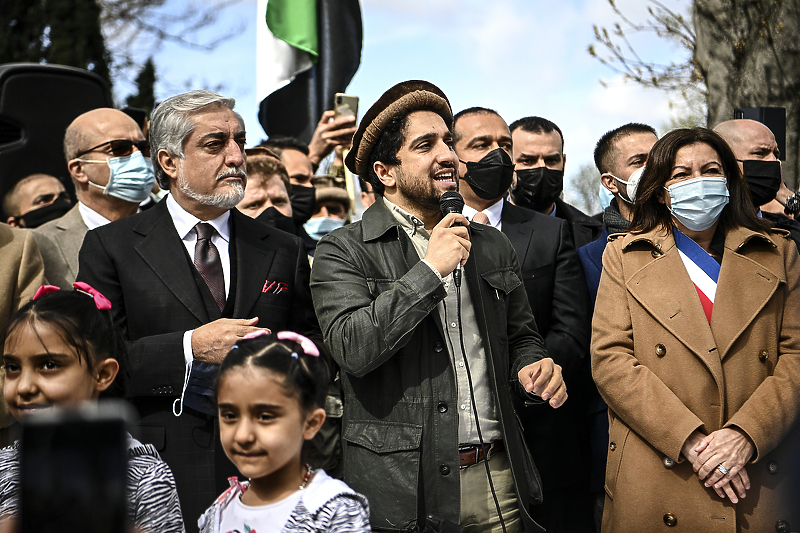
<point>451,202</point>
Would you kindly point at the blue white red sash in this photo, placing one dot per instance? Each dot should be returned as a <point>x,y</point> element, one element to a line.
<point>702,269</point>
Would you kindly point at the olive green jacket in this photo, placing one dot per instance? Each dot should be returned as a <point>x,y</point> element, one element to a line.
<point>376,303</point>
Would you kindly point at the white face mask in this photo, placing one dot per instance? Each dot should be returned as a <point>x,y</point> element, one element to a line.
<point>631,185</point>
<point>698,202</point>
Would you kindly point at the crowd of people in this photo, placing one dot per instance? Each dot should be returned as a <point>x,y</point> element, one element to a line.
<point>323,337</point>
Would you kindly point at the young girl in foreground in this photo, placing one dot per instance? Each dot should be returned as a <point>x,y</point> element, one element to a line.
<point>270,394</point>
<point>62,349</point>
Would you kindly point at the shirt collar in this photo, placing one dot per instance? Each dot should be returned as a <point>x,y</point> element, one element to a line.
<point>410,224</point>
<point>494,212</point>
<point>185,221</point>
<point>91,218</point>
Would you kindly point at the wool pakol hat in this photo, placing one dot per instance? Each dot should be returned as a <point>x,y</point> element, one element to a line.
<point>404,97</point>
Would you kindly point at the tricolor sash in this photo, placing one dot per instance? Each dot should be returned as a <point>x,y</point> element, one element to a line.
<point>702,268</point>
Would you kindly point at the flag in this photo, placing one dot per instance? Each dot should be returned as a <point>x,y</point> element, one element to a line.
<point>702,268</point>
<point>308,51</point>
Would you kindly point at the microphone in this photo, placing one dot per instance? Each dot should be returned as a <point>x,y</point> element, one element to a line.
<point>452,202</point>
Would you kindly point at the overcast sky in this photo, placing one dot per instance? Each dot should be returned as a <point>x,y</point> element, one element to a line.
<point>519,57</point>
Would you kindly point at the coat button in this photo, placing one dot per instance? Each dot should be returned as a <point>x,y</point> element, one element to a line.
<point>670,520</point>
<point>772,467</point>
<point>444,470</point>
<point>442,407</point>
<point>438,347</point>
<point>669,463</point>
<point>169,390</point>
<point>613,446</point>
<point>661,350</point>
<point>763,355</point>
<point>656,254</point>
<point>782,526</point>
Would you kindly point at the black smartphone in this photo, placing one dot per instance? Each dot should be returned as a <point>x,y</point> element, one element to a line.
<point>73,469</point>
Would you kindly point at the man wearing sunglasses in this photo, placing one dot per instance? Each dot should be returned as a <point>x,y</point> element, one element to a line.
<point>108,159</point>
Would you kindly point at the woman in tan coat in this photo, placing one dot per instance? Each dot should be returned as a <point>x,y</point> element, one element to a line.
<point>696,350</point>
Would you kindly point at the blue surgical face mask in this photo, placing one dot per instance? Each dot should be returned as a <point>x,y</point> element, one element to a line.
<point>605,197</point>
<point>131,177</point>
<point>697,203</point>
<point>318,227</point>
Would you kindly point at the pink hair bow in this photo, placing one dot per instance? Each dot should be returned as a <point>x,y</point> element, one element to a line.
<point>305,343</point>
<point>45,289</point>
<point>100,301</point>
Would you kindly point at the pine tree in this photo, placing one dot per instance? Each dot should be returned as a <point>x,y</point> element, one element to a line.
<point>145,97</point>
<point>74,36</point>
<point>22,25</point>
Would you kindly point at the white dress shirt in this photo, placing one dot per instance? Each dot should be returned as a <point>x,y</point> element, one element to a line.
<point>184,225</point>
<point>494,212</point>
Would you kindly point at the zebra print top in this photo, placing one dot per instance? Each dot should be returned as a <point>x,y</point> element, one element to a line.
<point>326,505</point>
<point>153,505</point>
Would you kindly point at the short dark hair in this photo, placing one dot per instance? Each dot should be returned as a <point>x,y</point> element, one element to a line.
<point>649,213</point>
<point>389,143</point>
<point>476,110</point>
<point>77,320</point>
<point>306,377</point>
<point>279,143</point>
<point>537,125</point>
<point>606,147</point>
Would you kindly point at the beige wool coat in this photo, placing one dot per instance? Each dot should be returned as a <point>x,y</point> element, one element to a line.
<point>21,273</point>
<point>665,371</point>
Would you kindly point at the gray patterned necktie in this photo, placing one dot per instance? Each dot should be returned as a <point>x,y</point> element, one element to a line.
<point>207,262</point>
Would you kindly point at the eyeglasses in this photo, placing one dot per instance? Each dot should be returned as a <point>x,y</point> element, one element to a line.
<point>121,147</point>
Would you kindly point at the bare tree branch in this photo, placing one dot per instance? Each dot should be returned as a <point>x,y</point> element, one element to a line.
<point>135,29</point>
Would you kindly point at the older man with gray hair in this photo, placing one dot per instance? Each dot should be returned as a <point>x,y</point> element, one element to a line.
<point>189,278</point>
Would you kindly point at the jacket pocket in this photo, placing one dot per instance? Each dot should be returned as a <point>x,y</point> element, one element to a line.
<point>617,436</point>
<point>503,280</point>
<point>382,459</point>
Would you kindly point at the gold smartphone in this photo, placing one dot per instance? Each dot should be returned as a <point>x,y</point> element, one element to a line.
<point>345,105</point>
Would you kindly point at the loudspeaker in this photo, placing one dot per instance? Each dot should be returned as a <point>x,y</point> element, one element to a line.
<point>772,117</point>
<point>37,103</point>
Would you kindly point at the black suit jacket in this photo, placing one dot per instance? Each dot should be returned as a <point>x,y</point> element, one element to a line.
<point>559,299</point>
<point>584,228</point>
<point>141,265</point>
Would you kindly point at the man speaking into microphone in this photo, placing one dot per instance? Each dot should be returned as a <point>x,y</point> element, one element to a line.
<point>428,368</point>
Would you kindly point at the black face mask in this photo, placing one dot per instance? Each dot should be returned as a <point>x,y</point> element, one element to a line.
<point>37,217</point>
<point>490,177</point>
<point>272,217</point>
<point>537,188</point>
<point>763,179</point>
<point>303,203</point>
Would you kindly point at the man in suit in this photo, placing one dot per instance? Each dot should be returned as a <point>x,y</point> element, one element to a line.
<point>539,167</point>
<point>189,278</point>
<point>111,176</point>
<point>557,295</point>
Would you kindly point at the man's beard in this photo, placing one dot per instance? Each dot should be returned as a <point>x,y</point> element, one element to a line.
<point>227,199</point>
<point>421,193</point>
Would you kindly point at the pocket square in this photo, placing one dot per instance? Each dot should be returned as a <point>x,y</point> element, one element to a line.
<point>275,287</point>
